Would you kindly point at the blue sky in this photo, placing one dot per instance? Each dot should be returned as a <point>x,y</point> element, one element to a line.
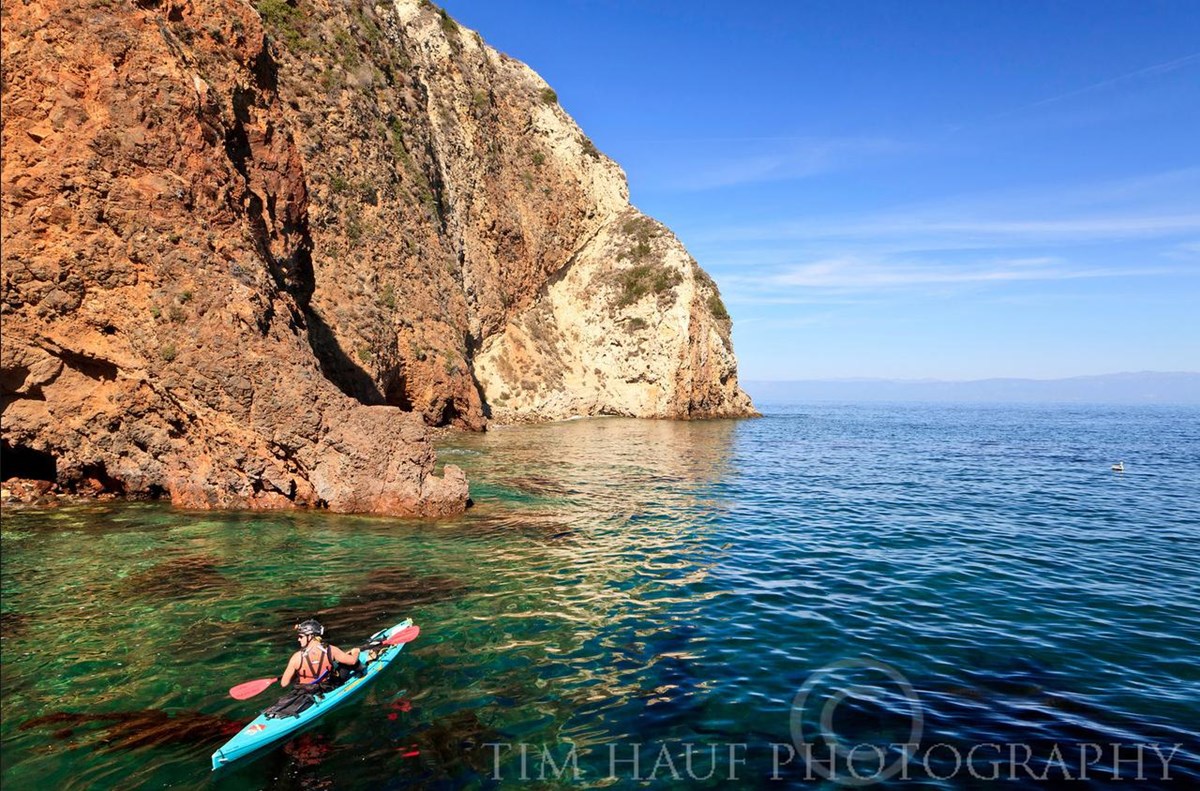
<point>904,189</point>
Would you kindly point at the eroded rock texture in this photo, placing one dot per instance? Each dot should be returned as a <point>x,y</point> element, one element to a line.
<point>251,251</point>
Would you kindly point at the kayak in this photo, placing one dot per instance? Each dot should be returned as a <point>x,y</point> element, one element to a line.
<point>265,730</point>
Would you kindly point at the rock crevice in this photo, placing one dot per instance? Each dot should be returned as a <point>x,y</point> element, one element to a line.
<point>250,253</point>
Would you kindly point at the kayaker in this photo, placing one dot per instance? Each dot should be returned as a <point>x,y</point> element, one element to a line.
<point>313,663</point>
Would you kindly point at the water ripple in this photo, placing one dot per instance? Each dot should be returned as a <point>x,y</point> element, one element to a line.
<point>640,581</point>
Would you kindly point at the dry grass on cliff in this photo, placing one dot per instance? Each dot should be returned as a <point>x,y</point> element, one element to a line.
<point>647,279</point>
<point>648,275</point>
<point>716,306</point>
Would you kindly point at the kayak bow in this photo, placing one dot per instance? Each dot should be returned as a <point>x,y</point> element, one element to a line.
<point>265,730</point>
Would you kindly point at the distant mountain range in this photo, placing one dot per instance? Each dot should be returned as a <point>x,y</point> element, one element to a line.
<point>1144,387</point>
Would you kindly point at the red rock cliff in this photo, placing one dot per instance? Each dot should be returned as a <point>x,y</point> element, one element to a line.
<point>249,252</point>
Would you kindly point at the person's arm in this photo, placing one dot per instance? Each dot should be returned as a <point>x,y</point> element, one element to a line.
<point>346,658</point>
<point>292,666</point>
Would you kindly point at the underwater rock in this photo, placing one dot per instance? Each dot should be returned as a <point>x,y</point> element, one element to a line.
<point>127,730</point>
<point>452,743</point>
<point>384,597</point>
<point>186,576</point>
<point>13,624</point>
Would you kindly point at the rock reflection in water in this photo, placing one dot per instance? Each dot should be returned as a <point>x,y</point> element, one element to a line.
<point>621,512</point>
<point>603,461</point>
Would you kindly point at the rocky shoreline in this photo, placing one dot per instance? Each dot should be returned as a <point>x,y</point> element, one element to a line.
<point>251,254</point>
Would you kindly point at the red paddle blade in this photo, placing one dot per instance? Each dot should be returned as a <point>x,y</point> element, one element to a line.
<point>403,636</point>
<point>251,688</point>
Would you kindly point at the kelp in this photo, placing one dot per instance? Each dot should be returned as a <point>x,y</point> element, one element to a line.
<point>128,730</point>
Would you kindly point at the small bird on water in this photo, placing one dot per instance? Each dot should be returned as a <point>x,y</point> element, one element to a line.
<point>1119,467</point>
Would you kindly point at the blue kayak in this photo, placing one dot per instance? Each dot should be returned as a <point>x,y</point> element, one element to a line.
<point>265,730</point>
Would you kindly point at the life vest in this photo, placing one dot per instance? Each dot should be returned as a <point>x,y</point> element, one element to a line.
<point>311,672</point>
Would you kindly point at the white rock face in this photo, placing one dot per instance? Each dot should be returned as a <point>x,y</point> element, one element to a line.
<point>616,318</point>
<point>620,331</point>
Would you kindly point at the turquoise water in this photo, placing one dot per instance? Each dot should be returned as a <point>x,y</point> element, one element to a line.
<point>662,583</point>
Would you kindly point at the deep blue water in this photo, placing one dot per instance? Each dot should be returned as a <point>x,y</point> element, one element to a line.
<point>978,571</point>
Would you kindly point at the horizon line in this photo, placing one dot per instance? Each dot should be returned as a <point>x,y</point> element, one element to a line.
<point>932,380</point>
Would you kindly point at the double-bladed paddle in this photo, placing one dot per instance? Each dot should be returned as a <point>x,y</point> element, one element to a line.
<point>406,635</point>
<point>249,689</point>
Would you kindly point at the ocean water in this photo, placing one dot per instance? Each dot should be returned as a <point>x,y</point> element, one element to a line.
<point>828,580</point>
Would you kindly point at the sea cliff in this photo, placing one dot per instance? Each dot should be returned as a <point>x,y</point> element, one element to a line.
<point>252,252</point>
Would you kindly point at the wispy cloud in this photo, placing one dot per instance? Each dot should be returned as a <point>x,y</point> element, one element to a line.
<point>726,162</point>
<point>850,274</point>
<point>1185,250</point>
<point>1149,71</point>
<point>790,322</point>
<point>1085,112</point>
<point>1162,205</point>
<point>982,246</point>
<point>742,292</point>
<point>1177,189</point>
<point>967,231</point>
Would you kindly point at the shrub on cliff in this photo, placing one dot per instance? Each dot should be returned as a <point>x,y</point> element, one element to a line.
<point>640,231</point>
<point>285,21</point>
<point>277,12</point>
<point>645,279</point>
<point>717,308</point>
